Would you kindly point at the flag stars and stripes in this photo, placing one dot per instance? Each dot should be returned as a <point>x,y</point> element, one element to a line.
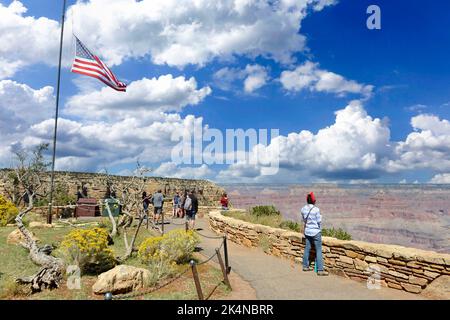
<point>87,64</point>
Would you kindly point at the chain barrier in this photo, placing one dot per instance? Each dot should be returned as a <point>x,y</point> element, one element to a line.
<point>208,237</point>
<point>207,260</point>
<point>212,291</point>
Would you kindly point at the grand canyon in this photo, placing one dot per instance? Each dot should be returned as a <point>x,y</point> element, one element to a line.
<point>408,215</point>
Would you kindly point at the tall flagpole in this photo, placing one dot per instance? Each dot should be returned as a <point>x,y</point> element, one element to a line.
<point>49,216</point>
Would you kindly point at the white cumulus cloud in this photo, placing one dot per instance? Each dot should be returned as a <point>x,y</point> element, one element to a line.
<point>309,76</point>
<point>442,178</point>
<point>25,40</point>
<point>21,106</point>
<point>179,33</point>
<point>253,77</point>
<point>172,170</point>
<point>143,98</point>
<point>355,146</point>
<point>428,146</point>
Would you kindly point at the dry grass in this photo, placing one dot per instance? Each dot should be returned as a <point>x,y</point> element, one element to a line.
<point>14,263</point>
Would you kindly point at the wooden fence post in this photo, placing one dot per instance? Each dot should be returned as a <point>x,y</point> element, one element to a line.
<point>225,252</point>
<point>196,280</point>
<point>162,221</point>
<point>222,266</point>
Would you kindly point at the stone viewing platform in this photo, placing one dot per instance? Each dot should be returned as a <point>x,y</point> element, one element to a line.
<point>412,270</point>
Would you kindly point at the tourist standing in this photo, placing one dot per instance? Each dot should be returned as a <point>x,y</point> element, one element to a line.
<point>84,191</point>
<point>145,203</point>
<point>158,200</point>
<point>183,201</point>
<point>79,194</point>
<point>224,202</point>
<point>312,221</point>
<point>191,207</point>
<point>176,205</point>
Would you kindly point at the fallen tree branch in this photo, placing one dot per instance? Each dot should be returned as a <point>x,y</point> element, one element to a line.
<point>51,273</point>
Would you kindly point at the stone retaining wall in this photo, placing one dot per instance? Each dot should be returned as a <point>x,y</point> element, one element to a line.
<point>208,192</point>
<point>398,267</point>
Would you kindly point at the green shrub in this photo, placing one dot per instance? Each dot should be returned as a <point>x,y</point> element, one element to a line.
<point>291,225</point>
<point>161,254</point>
<point>88,248</point>
<point>8,212</point>
<point>336,233</point>
<point>160,268</point>
<point>180,245</point>
<point>264,211</point>
<point>175,246</point>
<point>149,248</point>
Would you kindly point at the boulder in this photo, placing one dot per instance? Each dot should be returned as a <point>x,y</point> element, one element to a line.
<point>16,237</point>
<point>438,289</point>
<point>121,279</point>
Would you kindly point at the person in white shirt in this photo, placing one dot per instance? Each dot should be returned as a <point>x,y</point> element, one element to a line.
<point>312,222</point>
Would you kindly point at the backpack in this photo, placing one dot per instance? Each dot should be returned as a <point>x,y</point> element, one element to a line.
<point>188,203</point>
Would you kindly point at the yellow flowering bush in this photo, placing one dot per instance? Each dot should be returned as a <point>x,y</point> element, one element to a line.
<point>175,246</point>
<point>162,254</point>
<point>8,212</point>
<point>88,248</point>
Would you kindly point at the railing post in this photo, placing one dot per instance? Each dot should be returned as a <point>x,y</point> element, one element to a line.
<point>225,252</point>
<point>196,280</point>
<point>162,221</point>
<point>224,271</point>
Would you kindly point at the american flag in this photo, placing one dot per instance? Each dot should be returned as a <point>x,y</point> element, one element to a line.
<point>90,65</point>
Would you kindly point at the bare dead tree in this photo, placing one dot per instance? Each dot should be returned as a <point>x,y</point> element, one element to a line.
<point>131,201</point>
<point>135,203</point>
<point>28,173</point>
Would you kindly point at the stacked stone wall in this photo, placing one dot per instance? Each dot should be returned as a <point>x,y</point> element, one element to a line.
<point>208,192</point>
<point>397,267</point>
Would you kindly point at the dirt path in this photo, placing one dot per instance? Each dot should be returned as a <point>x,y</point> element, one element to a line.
<point>275,278</point>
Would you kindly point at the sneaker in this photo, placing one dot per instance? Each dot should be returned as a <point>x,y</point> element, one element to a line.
<point>322,273</point>
<point>307,269</point>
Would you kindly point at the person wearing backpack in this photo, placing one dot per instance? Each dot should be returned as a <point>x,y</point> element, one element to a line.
<point>191,207</point>
<point>312,229</point>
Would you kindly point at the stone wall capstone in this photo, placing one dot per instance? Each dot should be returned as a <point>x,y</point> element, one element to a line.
<point>397,267</point>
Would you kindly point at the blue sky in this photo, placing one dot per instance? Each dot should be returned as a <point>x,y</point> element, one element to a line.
<point>399,75</point>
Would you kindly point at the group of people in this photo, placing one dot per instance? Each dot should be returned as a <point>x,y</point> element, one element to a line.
<point>183,206</point>
<point>187,206</point>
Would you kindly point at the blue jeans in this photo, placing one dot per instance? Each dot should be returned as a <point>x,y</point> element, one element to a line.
<point>315,241</point>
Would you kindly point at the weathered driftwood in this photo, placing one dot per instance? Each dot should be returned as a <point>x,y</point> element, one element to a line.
<point>28,178</point>
<point>50,275</point>
<point>129,248</point>
<point>113,222</point>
